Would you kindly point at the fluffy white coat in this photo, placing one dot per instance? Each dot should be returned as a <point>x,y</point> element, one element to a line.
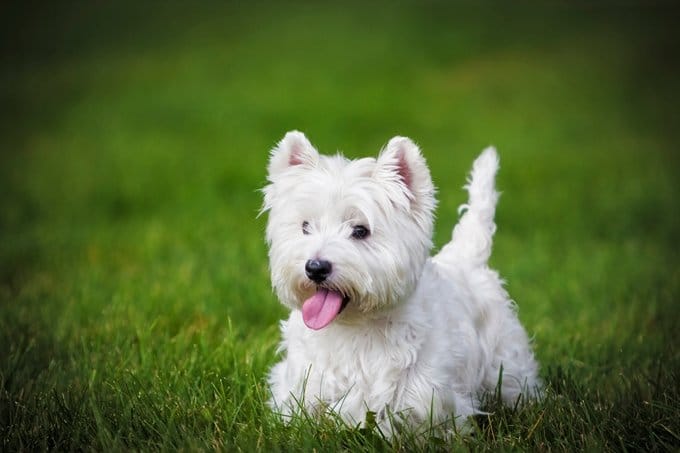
<point>420,337</point>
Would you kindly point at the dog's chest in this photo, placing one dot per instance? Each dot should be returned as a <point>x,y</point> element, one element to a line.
<point>367,364</point>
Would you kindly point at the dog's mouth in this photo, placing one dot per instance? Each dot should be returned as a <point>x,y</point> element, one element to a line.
<point>323,307</point>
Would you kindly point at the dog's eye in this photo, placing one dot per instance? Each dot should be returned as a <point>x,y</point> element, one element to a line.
<point>360,232</point>
<point>305,227</point>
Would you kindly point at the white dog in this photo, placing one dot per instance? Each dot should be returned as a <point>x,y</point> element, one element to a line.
<point>376,324</point>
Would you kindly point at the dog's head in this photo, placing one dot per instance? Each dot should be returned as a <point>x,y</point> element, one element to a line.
<point>346,235</point>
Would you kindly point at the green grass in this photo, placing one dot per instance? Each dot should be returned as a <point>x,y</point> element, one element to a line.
<point>135,305</point>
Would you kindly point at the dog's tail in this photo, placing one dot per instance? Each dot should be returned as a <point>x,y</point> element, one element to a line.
<point>472,236</point>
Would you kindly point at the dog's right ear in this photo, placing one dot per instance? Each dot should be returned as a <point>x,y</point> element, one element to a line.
<point>293,149</point>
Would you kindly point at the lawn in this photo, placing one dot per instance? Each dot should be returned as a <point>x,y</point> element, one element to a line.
<point>135,305</point>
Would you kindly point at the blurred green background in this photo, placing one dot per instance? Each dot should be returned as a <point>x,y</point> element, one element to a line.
<point>135,305</point>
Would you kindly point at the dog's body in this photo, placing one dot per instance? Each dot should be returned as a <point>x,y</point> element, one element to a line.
<point>376,325</point>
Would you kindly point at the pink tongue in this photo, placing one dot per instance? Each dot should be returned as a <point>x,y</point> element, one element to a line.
<point>319,310</point>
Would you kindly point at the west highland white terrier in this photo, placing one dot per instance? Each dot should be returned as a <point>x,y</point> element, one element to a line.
<point>376,325</point>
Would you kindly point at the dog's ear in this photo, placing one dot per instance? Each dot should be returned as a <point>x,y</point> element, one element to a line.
<point>293,149</point>
<point>402,163</point>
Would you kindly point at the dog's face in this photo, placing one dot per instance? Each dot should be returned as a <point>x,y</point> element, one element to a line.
<point>346,236</point>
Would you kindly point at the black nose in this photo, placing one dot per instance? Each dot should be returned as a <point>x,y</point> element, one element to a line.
<point>318,270</point>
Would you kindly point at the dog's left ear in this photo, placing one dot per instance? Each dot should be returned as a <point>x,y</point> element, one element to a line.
<point>401,163</point>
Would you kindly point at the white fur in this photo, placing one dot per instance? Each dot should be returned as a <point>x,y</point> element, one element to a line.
<point>421,337</point>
